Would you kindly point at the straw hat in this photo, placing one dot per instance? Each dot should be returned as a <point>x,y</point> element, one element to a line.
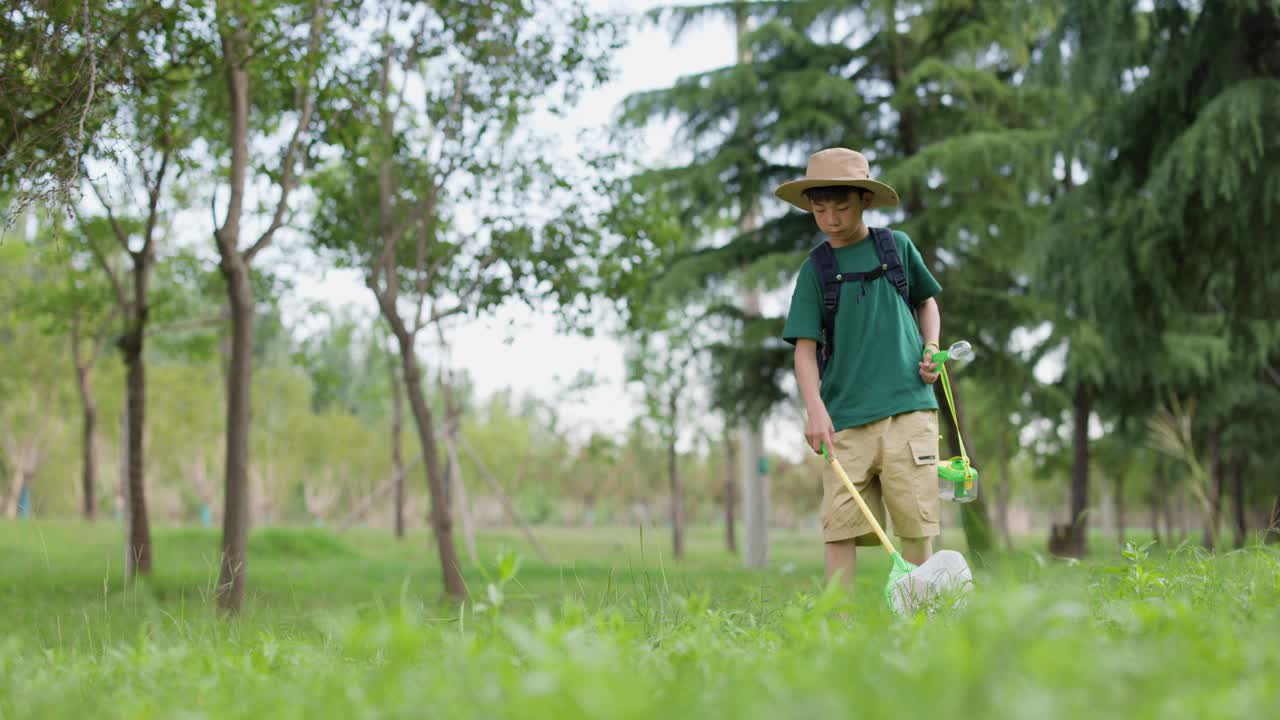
<point>837,166</point>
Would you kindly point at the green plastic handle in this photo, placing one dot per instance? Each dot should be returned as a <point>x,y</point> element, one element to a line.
<point>824,452</point>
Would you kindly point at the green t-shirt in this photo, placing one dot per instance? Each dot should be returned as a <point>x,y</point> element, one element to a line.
<point>874,372</point>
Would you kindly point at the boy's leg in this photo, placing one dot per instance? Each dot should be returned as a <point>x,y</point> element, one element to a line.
<point>841,557</point>
<point>916,550</point>
<point>909,481</point>
<point>843,525</point>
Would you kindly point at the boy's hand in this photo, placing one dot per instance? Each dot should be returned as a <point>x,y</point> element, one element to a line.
<point>818,429</point>
<point>928,368</point>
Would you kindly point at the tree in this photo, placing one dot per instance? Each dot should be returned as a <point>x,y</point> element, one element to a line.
<point>397,429</point>
<point>155,122</point>
<point>74,303</point>
<point>660,363</point>
<point>265,70</point>
<point>32,371</point>
<point>391,208</point>
<point>86,349</point>
<point>723,192</point>
<point>133,302</point>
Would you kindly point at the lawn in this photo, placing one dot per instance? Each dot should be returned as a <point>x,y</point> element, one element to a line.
<point>351,626</point>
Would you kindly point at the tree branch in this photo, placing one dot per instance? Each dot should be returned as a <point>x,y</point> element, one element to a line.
<point>120,234</point>
<point>426,208</point>
<point>438,315</point>
<point>213,208</point>
<point>464,296</point>
<point>425,275</point>
<point>153,193</point>
<point>306,99</point>
<point>93,83</point>
<point>1274,375</point>
<point>101,259</point>
<point>434,270</point>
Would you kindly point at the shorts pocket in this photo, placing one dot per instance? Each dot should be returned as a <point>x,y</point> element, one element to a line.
<point>924,458</point>
<point>924,451</point>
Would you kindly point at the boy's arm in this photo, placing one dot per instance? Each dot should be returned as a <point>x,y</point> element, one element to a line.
<point>930,319</point>
<point>818,428</point>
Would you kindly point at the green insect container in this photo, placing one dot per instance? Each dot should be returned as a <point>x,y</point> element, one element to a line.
<point>957,481</point>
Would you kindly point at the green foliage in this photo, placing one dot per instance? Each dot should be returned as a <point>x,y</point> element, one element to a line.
<point>65,69</point>
<point>348,366</point>
<point>1156,251</point>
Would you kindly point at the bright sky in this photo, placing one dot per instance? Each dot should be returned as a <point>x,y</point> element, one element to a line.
<point>521,349</point>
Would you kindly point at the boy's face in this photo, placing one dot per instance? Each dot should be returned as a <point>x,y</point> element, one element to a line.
<point>839,219</point>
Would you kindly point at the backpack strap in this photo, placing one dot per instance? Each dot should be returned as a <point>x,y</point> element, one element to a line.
<point>891,264</point>
<point>891,261</point>
<point>829,281</point>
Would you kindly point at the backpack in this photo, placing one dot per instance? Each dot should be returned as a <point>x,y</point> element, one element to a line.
<point>830,279</point>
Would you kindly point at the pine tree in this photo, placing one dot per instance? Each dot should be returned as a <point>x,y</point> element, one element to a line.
<point>1157,251</point>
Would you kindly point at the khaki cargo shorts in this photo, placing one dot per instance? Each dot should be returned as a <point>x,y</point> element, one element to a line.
<point>894,465</point>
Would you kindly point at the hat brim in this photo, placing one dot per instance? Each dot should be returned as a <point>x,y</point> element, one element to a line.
<point>793,192</point>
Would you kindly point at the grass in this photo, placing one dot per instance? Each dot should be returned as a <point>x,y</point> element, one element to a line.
<point>351,627</point>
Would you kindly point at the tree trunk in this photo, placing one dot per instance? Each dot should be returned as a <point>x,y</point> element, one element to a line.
<point>122,485</point>
<point>1237,501</point>
<point>1081,406</point>
<point>1180,517</point>
<point>397,461</point>
<point>16,489</point>
<point>730,461</point>
<point>1273,523</point>
<point>138,557</point>
<point>1157,498</point>
<point>235,510</point>
<point>1120,518</point>
<point>1155,522</point>
<point>1003,493</point>
<point>441,523</point>
<point>677,493</point>
<point>973,515</point>
<point>388,298</point>
<point>754,481</point>
<point>755,499</point>
<point>88,442</point>
<point>1210,537</point>
<point>448,474</point>
<point>89,414</point>
<point>463,505</point>
<point>224,347</point>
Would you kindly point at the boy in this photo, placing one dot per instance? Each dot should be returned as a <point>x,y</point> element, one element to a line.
<point>874,404</point>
